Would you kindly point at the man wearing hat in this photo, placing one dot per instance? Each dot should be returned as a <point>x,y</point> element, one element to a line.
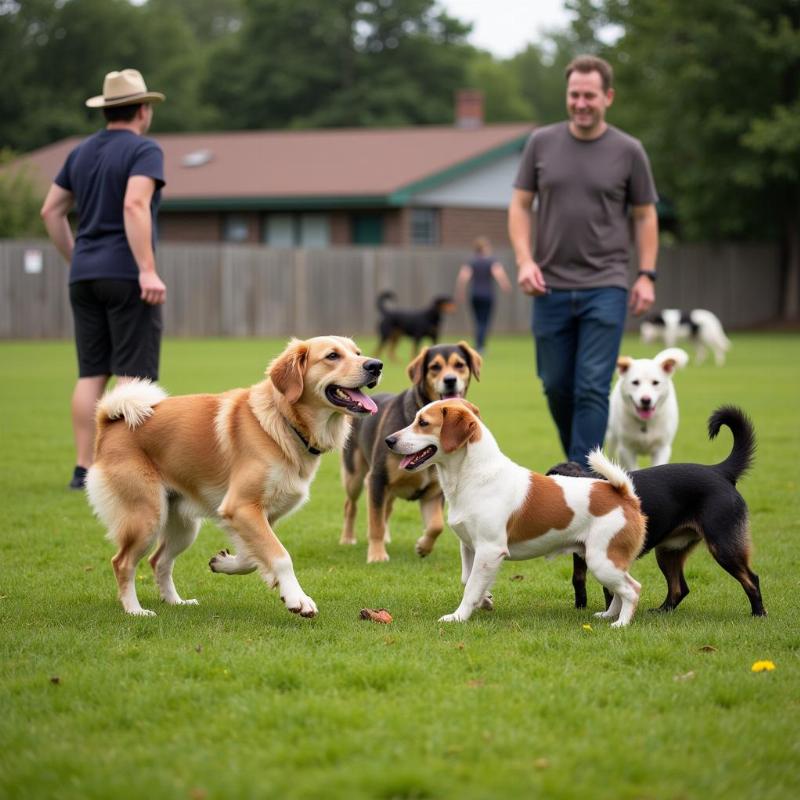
<point>113,180</point>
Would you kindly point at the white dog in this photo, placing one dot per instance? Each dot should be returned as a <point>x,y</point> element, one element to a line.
<point>500,509</point>
<point>643,410</point>
<point>699,325</point>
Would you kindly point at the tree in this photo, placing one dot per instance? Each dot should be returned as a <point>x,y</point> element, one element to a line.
<point>20,201</point>
<point>54,55</point>
<point>504,100</point>
<point>317,63</point>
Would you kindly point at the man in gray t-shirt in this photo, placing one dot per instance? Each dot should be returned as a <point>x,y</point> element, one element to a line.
<point>591,183</point>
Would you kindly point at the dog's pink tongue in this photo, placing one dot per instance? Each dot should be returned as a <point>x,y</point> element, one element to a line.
<point>645,413</point>
<point>367,403</point>
<point>406,460</point>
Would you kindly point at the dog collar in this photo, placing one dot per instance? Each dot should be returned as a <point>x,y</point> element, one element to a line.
<point>313,450</point>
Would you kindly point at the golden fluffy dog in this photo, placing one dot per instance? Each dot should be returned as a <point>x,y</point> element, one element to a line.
<point>244,458</point>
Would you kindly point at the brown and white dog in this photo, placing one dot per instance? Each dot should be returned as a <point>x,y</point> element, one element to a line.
<point>501,510</point>
<point>244,458</point>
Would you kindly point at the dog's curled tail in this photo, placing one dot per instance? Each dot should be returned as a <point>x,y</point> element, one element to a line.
<point>132,401</point>
<point>382,298</point>
<point>744,440</point>
<point>612,472</point>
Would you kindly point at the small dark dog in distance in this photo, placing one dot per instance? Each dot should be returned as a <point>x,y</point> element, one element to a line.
<point>417,324</point>
<point>689,503</point>
<point>438,372</point>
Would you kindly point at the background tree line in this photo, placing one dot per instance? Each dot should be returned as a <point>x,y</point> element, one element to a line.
<point>710,86</point>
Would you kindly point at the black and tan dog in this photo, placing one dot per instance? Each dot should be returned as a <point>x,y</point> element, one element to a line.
<point>417,324</point>
<point>689,503</point>
<point>437,373</point>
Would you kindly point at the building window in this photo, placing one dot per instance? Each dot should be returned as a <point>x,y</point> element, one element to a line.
<point>424,226</point>
<point>314,230</point>
<point>366,228</point>
<point>296,230</point>
<point>235,228</point>
<point>279,230</point>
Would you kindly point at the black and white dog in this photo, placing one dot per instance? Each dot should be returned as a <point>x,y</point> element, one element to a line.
<point>689,503</point>
<point>699,326</point>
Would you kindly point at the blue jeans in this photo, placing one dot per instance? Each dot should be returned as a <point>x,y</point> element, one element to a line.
<point>482,311</point>
<point>577,335</point>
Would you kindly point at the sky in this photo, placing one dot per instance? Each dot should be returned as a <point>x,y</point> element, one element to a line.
<point>504,27</point>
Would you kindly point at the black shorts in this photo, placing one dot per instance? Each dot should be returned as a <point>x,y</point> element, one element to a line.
<point>116,332</point>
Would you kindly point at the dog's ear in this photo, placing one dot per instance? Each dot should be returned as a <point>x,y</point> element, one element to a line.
<point>474,360</point>
<point>416,369</point>
<point>671,359</point>
<point>471,406</point>
<point>459,426</point>
<point>624,364</point>
<point>288,370</point>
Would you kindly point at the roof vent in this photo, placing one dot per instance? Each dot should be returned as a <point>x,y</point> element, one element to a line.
<point>197,158</point>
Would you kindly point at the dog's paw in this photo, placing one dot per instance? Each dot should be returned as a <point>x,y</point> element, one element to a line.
<point>181,602</point>
<point>347,539</point>
<point>140,612</point>
<point>618,624</point>
<point>487,603</point>
<point>377,554</point>
<point>300,603</point>
<point>217,561</point>
<point>423,546</point>
<point>454,617</point>
<point>229,564</point>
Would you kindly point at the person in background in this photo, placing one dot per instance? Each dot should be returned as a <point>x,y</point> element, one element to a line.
<point>591,183</point>
<point>113,180</point>
<point>483,271</point>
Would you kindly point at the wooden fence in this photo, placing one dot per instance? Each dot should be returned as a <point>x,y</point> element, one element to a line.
<point>234,290</point>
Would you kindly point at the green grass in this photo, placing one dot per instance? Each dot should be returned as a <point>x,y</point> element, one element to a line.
<point>238,698</point>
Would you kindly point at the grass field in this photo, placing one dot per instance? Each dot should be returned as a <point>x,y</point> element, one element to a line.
<point>238,698</point>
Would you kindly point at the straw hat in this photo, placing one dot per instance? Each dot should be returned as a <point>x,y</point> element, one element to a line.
<point>124,88</point>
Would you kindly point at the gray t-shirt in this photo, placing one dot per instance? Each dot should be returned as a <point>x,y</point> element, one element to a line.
<point>584,190</point>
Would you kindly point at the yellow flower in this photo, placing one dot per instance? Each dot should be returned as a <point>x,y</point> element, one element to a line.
<point>586,627</point>
<point>762,666</point>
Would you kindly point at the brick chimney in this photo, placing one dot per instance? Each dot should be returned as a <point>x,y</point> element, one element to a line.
<point>469,108</point>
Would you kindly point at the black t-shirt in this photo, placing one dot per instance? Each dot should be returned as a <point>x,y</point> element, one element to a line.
<point>97,172</point>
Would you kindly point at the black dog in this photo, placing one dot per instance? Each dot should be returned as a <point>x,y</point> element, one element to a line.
<point>436,373</point>
<point>687,503</point>
<point>419,324</point>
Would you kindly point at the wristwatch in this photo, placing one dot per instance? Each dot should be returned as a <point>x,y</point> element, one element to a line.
<point>650,273</point>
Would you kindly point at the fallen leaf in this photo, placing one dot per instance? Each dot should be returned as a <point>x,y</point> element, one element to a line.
<point>687,676</point>
<point>198,648</point>
<point>55,679</point>
<point>708,648</point>
<point>88,568</point>
<point>475,683</point>
<point>762,666</point>
<point>517,577</point>
<point>376,615</point>
<point>586,627</point>
<point>460,646</point>
<point>198,794</point>
<point>541,763</point>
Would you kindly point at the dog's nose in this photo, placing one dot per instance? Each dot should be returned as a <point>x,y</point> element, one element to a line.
<point>391,441</point>
<point>645,401</point>
<point>450,381</point>
<point>373,366</point>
